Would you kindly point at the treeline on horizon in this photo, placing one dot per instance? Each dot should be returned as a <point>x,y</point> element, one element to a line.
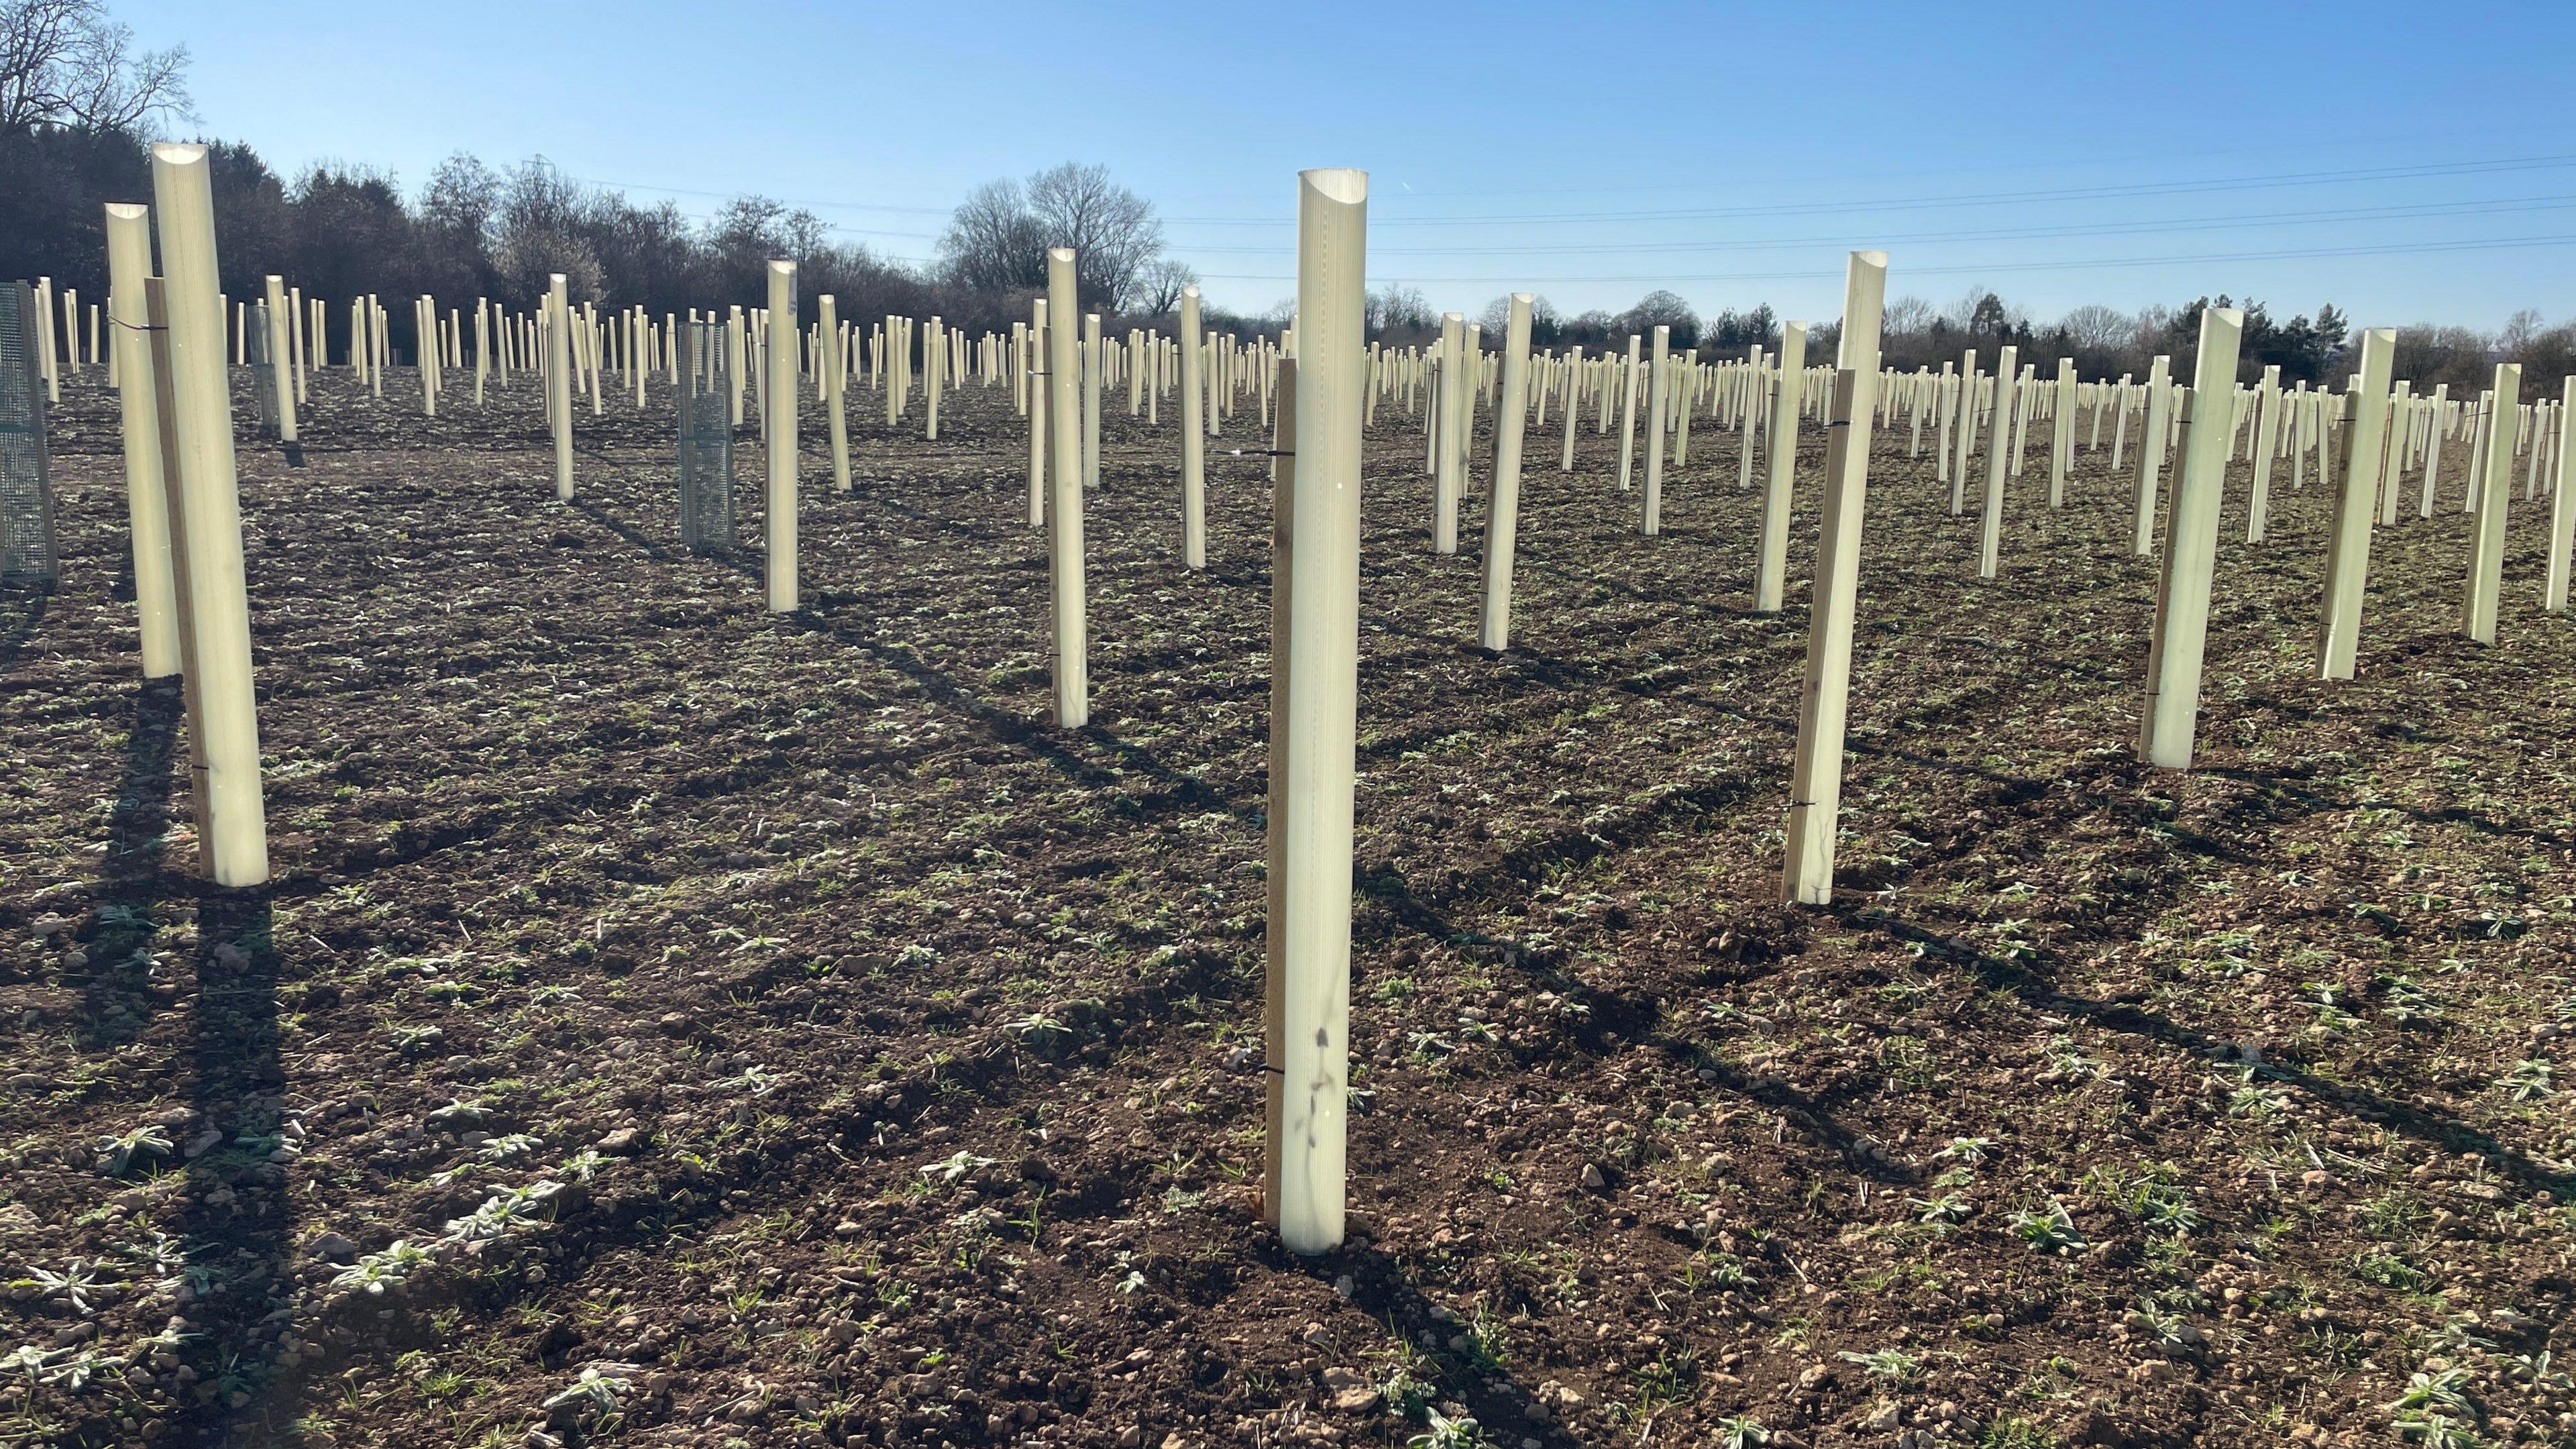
<point>342,230</point>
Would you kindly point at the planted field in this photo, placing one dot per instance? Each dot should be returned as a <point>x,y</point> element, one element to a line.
<point>676,1023</point>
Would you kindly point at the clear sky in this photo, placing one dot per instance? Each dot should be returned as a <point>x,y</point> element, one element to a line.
<point>2405,161</point>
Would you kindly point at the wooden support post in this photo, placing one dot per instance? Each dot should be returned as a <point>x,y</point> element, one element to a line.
<point>233,842</point>
<point>1816,781</point>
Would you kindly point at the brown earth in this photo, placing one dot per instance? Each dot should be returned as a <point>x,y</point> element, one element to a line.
<point>677,1024</point>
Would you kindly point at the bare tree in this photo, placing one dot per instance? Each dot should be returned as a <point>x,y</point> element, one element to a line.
<point>1395,308</point>
<point>804,235</point>
<point>461,197</point>
<point>993,242</point>
<point>2150,327</point>
<point>1906,316</point>
<point>1496,319</point>
<point>1158,286</point>
<point>537,230</point>
<point>997,240</point>
<point>65,63</point>
<point>1111,229</point>
<point>2428,355</point>
<point>2094,328</point>
<point>1661,308</point>
<point>2520,331</point>
<point>751,226</point>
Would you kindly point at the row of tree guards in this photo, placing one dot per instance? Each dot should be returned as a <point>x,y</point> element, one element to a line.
<point>2295,426</point>
<point>1317,387</point>
<point>1220,373</point>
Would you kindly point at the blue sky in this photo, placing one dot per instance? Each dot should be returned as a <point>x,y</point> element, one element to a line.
<point>2369,154</point>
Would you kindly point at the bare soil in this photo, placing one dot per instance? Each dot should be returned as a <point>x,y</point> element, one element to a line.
<point>676,1024</point>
